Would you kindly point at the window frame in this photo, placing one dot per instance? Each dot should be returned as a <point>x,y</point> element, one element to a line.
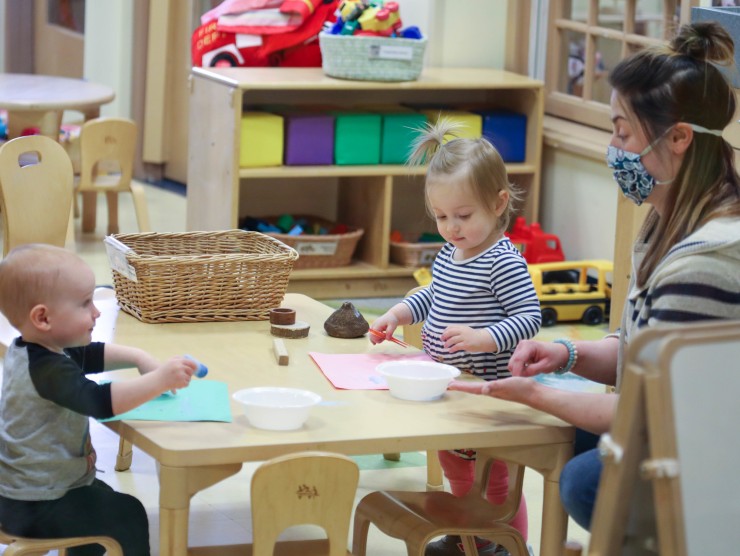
<point>583,109</point>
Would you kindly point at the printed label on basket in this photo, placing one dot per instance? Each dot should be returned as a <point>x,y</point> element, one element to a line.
<point>309,248</point>
<point>117,257</point>
<point>427,256</point>
<point>387,52</point>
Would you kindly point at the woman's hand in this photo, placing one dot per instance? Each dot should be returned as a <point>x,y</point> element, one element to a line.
<point>465,338</point>
<point>513,389</point>
<point>532,358</point>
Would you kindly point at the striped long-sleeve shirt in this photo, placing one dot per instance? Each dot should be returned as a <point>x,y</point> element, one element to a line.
<point>698,280</point>
<point>493,291</point>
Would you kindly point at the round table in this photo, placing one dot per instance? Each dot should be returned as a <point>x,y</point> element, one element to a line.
<point>40,101</point>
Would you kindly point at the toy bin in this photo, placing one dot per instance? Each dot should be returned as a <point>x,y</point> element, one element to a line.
<point>372,58</point>
<point>319,250</point>
<point>410,252</point>
<point>309,139</point>
<point>356,138</point>
<point>399,129</point>
<point>262,140</point>
<point>230,275</point>
<point>470,122</point>
<point>507,131</point>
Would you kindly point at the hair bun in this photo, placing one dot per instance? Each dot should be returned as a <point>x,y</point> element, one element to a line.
<point>706,41</point>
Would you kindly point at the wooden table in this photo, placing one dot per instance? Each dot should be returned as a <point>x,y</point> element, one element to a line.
<point>194,456</point>
<point>40,101</point>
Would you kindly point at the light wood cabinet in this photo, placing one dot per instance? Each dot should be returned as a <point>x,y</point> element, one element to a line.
<point>377,198</point>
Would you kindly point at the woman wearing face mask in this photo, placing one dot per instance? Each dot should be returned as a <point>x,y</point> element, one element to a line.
<point>669,107</point>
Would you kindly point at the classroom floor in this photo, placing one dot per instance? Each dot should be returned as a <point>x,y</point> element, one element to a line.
<point>220,514</point>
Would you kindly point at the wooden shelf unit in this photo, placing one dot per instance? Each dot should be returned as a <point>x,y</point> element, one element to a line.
<point>377,198</point>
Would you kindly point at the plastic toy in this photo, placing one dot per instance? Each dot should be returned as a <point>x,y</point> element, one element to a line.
<point>573,290</point>
<point>381,20</point>
<point>535,245</point>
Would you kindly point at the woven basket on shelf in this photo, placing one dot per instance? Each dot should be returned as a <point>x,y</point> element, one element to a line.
<point>371,58</point>
<point>414,254</point>
<point>321,251</point>
<point>231,275</point>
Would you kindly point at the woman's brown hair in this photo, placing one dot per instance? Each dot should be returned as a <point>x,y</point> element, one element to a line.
<point>663,86</point>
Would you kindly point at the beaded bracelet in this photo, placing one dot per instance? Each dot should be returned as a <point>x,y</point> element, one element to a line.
<point>572,356</point>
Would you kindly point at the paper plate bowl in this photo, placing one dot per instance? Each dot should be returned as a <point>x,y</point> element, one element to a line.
<point>417,380</point>
<point>276,409</point>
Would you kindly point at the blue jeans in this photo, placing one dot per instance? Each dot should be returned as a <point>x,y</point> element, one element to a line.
<point>579,479</point>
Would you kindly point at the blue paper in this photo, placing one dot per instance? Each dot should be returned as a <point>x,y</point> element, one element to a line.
<point>202,400</point>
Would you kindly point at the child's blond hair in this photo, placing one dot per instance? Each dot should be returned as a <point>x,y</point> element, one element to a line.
<point>475,159</point>
<point>28,276</point>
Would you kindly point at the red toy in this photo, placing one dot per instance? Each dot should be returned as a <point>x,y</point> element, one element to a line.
<point>213,45</point>
<point>535,245</point>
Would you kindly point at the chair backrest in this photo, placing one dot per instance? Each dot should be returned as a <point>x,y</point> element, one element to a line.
<point>509,507</point>
<point>35,191</point>
<point>316,488</point>
<point>107,144</point>
<point>674,438</point>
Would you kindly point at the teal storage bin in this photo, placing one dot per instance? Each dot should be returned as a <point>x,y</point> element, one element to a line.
<point>356,138</point>
<point>398,134</point>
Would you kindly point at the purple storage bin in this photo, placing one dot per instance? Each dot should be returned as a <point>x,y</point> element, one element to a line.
<point>309,139</point>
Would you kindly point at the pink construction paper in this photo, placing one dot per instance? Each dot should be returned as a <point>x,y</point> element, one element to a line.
<point>356,371</point>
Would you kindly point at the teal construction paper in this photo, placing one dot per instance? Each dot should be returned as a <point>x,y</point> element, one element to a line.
<point>203,400</point>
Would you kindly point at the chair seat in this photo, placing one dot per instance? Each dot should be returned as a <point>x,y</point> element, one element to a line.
<point>418,517</point>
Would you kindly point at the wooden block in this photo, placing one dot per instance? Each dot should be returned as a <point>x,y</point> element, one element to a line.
<point>282,315</point>
<point>297,330</point>
<point>281,352</point>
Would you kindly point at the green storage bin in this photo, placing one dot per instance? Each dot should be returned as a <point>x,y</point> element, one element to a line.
<point>398,134</point>
<point>356,138</point>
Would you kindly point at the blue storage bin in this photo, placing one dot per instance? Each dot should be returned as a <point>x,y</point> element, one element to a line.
<point>508,133</point>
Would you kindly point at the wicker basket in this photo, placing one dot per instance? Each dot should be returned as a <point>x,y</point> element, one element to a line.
<point>414,254</point>
<point>372,58</point>
<point>321,251</point>
<point>231,275</point>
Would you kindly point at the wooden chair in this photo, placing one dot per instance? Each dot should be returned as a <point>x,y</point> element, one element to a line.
<point>107,149</point>
<point>418,517</point>
<point>35,192</point>
<point>315,488</point>
<point>21,546</point>
<point>668,485</point>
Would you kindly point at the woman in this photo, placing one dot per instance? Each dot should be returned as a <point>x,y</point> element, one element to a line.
<point>669,106</point>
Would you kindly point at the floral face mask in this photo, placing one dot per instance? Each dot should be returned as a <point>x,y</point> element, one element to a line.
<point>633,179</point>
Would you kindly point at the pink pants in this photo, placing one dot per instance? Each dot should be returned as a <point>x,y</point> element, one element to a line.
<point>460,472</point>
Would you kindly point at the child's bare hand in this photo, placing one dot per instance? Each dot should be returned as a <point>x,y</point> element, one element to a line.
<point>465,338</point>
<point>385,324</point>
<point>176,373</point>
<point>532,357</point>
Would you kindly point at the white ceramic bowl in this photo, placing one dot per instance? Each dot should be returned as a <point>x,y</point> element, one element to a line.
<point>276,409</point>
<point>417,380</point>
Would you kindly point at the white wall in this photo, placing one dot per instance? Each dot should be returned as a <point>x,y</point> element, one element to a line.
<point>579,204</point>
<point>108,50</point>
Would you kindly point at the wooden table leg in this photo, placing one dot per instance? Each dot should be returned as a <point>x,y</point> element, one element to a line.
<point>176,486</point>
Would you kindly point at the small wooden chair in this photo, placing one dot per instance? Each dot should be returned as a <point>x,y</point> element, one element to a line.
<point>21,546</point>
<point>109,144</point>
<point>418,517</point>
<point>316,488</point>
<point>35,192</point>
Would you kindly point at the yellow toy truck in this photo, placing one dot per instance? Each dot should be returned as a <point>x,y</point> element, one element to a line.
<point>573,290</point>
